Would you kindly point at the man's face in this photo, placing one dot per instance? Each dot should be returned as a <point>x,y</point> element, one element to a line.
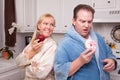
<point>83,23</point>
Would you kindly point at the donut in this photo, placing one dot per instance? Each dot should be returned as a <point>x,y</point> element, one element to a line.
<point>90,44</point>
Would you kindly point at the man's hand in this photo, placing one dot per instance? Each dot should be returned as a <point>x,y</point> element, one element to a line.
<point>87,55</point>
<point>109,64</point>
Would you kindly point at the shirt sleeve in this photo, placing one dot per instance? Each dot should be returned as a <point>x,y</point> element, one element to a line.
<point>21,59</point>
<point>61,65</point>
<point>111,55</point>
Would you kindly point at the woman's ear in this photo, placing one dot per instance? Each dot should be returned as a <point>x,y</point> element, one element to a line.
<point>38,27</point>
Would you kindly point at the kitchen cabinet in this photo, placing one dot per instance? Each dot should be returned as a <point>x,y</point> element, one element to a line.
<point>61,10</point>
<point>52,7</point>
<point>29,11</point>
<point>106,11</point>
<point>102,4</point>
<point>26,15</point>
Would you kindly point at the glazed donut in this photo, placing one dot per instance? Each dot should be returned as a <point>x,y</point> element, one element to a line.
<point>90,44</point>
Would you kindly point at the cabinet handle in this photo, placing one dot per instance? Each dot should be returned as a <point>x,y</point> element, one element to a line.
<point>28,25</point>
<point>65,26</point>
<point>93,4</point>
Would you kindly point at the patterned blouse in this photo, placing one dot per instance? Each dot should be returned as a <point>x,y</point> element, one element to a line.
<point>40,67</point>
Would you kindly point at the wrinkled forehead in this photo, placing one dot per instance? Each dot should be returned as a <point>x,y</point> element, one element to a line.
<point>84,14</point>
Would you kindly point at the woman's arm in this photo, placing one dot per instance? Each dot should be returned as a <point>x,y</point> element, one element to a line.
<point>21,59</point>
<point>42,67</point>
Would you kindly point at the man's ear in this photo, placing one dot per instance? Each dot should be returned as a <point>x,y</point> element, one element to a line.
<point>73,22</point>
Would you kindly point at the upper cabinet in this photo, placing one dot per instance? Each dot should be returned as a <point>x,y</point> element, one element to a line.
<point>67,11</point>
<point>106,10</point>
<point>29,11</point>
<point>26,15</point>
<point>62,10</point>
<point>52,7</point>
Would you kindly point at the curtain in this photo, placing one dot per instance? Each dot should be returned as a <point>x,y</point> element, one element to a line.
<point>9,12</point>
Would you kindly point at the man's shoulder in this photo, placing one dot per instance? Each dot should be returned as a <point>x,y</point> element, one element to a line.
<point>64,42</point>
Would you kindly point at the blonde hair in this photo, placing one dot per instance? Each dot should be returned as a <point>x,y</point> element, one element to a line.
<point>41,18</point>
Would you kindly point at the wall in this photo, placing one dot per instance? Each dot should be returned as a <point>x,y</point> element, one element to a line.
<point>20,44</point>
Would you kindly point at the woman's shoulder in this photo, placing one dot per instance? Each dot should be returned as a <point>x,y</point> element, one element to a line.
<point>51,41</point>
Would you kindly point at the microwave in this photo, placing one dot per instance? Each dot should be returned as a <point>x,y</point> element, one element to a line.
<point>106,10</point>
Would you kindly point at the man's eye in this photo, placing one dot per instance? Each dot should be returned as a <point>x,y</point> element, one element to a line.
<point>82,21</point>
<point>89,21</point>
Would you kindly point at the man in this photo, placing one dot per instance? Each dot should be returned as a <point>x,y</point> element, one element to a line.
<point>83,54</point>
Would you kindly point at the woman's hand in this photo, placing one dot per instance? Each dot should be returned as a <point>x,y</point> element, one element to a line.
<point>36,45</point>
<point>109,64</point>
<point>34,65</point>
<point>33,49</point>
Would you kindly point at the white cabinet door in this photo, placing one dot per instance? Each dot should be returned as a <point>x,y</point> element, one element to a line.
<point>102,4</point>
<point>29,11</point>
<point>30,15</point>
<point>52,7</point>
<point>26,15</point>
<point>19,6</point>
<point>68,6</point>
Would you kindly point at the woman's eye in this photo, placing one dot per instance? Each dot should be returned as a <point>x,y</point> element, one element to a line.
<point>52,24</point>
<point>48,24</point>
<point>45,23</point>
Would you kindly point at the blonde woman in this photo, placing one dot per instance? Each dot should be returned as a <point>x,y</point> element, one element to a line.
<point>37,57</point>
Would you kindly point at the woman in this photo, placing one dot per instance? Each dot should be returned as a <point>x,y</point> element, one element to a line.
<point>37,57</point>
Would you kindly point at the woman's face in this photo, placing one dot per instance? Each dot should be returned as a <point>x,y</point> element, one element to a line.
<point>46,26</point>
